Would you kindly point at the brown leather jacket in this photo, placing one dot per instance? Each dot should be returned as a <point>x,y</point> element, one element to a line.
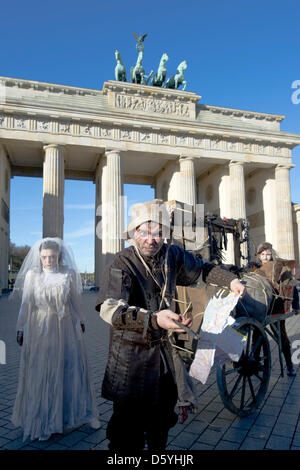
<point>133,366</point>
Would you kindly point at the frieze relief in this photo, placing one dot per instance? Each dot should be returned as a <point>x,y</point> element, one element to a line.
<point>65,127</point>
<point>43,125</point>
<point>87,129</point>
<point>152,105</point>
<point>126,134</point>
<point>20,123</point>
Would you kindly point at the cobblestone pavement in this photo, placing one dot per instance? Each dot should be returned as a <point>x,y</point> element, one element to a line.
<point>275,425</point>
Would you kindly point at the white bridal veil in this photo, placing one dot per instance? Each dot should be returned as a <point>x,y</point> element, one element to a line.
<point>32,262</point>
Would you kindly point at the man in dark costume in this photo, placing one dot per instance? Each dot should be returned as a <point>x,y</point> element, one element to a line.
<point>145,375</point>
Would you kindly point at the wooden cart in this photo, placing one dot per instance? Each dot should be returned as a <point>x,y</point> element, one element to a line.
<point>243,384</point>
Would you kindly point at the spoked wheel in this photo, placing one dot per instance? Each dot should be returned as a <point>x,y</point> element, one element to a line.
<point>243,384</point>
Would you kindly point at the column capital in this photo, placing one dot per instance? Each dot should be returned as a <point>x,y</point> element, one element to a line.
<point>110,150</point>
<point>184,158</point>
<point>53,146</point>
<point>236,163</point>
<point>284,166</point>
<point>296,208</point>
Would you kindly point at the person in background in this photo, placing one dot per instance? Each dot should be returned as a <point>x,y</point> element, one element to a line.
<point>55,391</point>
<point>265,254</point>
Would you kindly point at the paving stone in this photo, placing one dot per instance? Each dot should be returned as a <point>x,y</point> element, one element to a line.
<point>184,440</point>
<point>226,445</point>
<point>220,425</point>
<point>196,427</point>
<point>278,443</point>
<point>291,408</point>
<point>4,431</point>
<point>284,430</point>
<point>250,443</point>
<point>42,444</point>
<point>107,415</point>
<point>10,425</point>
<point>170,447</point>
<point>235,434</point>
<point>175,430</point>
<point>102,446</point>
<point>96,437</point>
<point>57,446</point>
<point>3,442</point>
<point>14,445</point>
<point>206,416</point>
<point>210,437</point>
<point>82,445</point>
<point>265,420</point>
<point>28,447</point>
<point>296,439</point>
<point>14,434</point>
<point>260,432</point>
<point>271,410</point>
<point>72,438</point>
<point>282,402</point>
<point>4,422</point>
<point>201,446</point>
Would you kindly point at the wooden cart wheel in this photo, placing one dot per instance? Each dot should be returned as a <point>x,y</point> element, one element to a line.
<point>243,384</point>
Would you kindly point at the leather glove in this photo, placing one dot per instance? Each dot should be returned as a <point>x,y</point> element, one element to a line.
<point>20,337</point>
<point>183,414</point>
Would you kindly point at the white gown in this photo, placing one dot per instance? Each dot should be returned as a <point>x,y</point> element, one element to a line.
<point>55,389</point>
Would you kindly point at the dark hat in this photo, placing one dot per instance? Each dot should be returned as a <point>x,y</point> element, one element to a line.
<point>264,246</point>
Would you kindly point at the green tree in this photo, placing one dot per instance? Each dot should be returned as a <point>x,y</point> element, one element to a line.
<point>17,255</point>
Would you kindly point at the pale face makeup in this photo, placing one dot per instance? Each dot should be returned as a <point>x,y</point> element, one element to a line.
<point>49,258</point>
<point>265,256</point>
<point>148,237</point>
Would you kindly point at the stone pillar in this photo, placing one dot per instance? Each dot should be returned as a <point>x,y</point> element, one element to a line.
<point>270,210</point>
<point>98,236</point>
<point>285,238</point>
<point>237,196</point>
<point>5,176</point>
<point>187,187</point>
<point>112,204</point>
<point>53,191</point>
<point>225,211</point>
<point>297,213</point>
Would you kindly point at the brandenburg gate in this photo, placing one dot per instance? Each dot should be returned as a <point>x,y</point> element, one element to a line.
<point>237,163</point>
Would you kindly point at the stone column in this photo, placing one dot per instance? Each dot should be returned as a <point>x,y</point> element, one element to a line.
<point>112,204</point>
<point>98,237</point>
<point>5,176</point>
<point>285,238</point>
<point>237,196</point>
<point>270,210</point>
<point>225,211</point>
<point>297,211</point>
<point>187,188</point>
<point>53,191</point>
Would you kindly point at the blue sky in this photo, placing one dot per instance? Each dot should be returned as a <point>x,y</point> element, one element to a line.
<point>240,54</point>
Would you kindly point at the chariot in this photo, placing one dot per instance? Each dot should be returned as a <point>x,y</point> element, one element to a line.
<point>243,384</point>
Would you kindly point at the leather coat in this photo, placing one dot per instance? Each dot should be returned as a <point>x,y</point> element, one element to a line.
<point>136,341</point>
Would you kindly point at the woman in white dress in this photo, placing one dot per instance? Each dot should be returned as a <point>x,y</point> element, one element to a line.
<point>55,391</point>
